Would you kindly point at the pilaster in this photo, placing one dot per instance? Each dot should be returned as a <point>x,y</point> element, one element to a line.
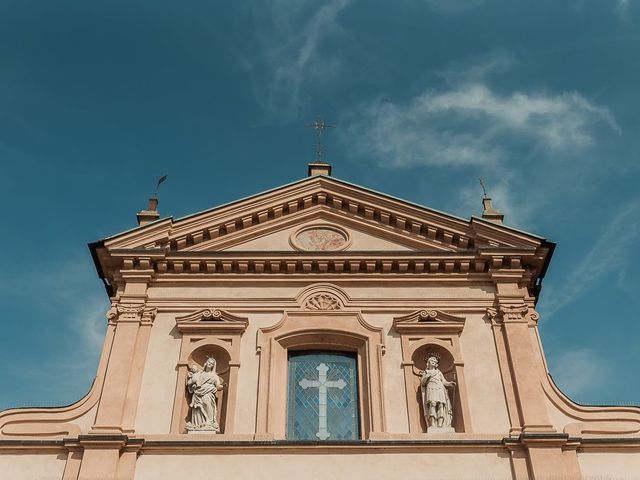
<point>545,450</point>
<point>513,313</point>
<point>132,320</point>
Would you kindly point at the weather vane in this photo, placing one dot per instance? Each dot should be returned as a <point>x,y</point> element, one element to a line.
<point>160,180</point>
<point>319,126</point>
<point>484,190</point>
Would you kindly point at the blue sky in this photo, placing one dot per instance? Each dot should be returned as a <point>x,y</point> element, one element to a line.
<point>100,98</point>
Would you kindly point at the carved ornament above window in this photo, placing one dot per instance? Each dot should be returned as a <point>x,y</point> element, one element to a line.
<point>323,301</point>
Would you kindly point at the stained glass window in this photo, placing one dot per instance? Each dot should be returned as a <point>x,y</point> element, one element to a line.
<point>323,396</point>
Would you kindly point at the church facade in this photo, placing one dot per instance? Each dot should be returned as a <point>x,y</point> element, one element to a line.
<point>321,330</point>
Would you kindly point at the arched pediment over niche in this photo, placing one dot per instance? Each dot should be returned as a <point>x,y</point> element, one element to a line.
<point>211,320</point>
<point>429,320</point>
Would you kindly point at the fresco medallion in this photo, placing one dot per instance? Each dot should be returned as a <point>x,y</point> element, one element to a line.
<point>320,238</point>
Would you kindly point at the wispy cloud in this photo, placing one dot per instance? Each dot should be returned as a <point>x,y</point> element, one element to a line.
<point>290,37</point>
<point>622,6</point>
<point>76,309</point>
<point>609,253</point>
<point>468,125</point>
<point>578,372</point>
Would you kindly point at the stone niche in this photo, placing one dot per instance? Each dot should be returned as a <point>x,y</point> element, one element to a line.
<point>209,333</point>
<point>432,331</point>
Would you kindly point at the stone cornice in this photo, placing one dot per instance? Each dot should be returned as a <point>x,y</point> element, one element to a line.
<point>349,262</point>
<point>338,197</point>
<point>442,243</point>
<point>342,200</point>
<point>157,444</point>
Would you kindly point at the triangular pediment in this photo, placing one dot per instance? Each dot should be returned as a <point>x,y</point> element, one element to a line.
<point>317,229</point>
<point>326,226</point>
<point>321,217</point>
<point>399,223</point>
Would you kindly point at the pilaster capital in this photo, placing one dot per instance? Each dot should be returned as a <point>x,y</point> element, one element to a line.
<point>149,315</point>
<point>512,313</point>
<point>124,312</point>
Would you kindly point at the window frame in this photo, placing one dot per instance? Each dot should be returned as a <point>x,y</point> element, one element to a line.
<point>349,354</point>
<point>341,331</point>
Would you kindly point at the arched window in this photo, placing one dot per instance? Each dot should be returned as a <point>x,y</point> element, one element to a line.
<point>293,350</point>
<point>322,400</point>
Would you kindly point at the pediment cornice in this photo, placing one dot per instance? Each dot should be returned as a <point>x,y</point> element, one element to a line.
<point>219,228</point>
<point>437,243</point>
<point>419,226</point>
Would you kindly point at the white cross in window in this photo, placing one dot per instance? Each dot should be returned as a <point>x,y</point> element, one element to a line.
<point>322,384</point>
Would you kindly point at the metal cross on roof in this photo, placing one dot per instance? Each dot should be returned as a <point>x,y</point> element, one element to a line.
<point>319,126</point>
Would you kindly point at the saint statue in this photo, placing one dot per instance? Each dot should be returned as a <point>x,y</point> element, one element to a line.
<point>438,412</point>
<point>203,410</point>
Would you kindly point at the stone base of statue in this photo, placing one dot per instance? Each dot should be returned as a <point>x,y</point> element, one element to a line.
<point>202,429</point>
<point>440,430</point>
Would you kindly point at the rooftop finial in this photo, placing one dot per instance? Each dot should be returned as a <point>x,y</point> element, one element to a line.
<point>319,166</point>
<point>488,212</point>
<point>160,180</point>
<point>151,214</point>
<point>484,190</point>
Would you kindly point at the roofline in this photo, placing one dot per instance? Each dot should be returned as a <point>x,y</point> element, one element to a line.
<point>93,248</point>
<point>328,178</point>
<point>130,230</point>
<point>552,248</point>
<point>544,243</point>
<point>507,227</point>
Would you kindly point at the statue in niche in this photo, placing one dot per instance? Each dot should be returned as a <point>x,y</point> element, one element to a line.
<point>203,385</point>
<point>438,411</point>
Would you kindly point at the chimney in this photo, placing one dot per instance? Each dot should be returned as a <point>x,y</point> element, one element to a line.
<point>319,168</point>
<point>490,213</point>
<point>149,215</point>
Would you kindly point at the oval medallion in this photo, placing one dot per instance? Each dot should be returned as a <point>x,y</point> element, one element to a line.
<point>320,239</point>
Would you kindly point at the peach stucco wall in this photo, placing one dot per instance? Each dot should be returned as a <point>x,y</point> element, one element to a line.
<point>248,372</point>
<point>373,466</point>
<point>605,465</point>
<point>159,379</point>
<point>86,421</point>
<point>484,385</point>
<point>485,394</point>
<point>32,466</point>
<point>394,389</point>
